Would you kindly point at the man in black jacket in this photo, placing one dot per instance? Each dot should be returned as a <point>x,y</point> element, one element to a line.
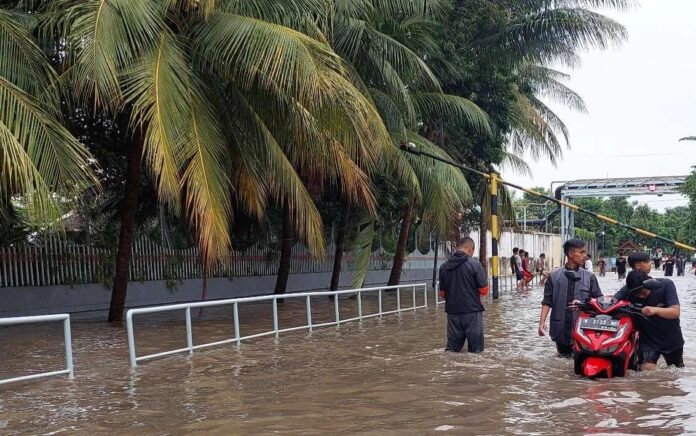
<point>660,332</point>
<point>560,293</point>
<point>462,283</point>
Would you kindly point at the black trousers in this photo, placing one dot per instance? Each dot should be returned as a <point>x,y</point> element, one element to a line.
<point>564,350</point>
<point>465,327</point>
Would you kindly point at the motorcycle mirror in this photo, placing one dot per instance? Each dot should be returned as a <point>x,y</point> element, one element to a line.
<point>572,276</point>
<point>652,284</point>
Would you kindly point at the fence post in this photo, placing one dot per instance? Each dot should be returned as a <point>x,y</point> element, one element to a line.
<point>275,316</point>
<point>309,312</point>
<point>189,332</point>
<point>379,301</point>
<point>359,306</point>
<point>398,299</point>
<point>237,335</point>
<point>68,347</point>
<point>131,339</point>
<point>338,313</point>
<point>414,297</point>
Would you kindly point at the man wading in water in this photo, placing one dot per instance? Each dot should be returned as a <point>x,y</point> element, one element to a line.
<point>559,293</point>
<point>462,283</point>
<point>660,332</point>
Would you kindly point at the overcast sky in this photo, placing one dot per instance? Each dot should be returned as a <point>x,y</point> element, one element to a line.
<point>641,98</point>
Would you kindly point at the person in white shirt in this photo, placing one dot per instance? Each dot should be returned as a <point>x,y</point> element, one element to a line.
<point>588,263</point>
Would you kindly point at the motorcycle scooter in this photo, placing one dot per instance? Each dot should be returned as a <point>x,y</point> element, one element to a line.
<point>605,338</point>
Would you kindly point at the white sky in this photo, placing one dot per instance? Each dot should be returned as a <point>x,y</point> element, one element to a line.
<point>641,98</point>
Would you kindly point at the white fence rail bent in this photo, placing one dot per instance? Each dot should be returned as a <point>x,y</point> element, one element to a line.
<point>235,302</point>
<point>67,338</point>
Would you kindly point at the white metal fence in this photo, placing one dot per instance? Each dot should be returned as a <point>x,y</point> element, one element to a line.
<point>67,338</point>
<point>235,302</point>
<point>54,261</point>
<point>58,262</point>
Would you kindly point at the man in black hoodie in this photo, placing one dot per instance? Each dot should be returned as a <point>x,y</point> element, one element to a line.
<point>462,283</point>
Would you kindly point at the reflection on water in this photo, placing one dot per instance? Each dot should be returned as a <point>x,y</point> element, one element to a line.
<point>383,375</point>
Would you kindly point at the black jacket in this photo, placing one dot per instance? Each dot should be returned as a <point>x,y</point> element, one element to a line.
<point>460,278</point>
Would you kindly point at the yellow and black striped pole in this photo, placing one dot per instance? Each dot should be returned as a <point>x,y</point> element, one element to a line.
<point>411,149</point>
<point>495,232</point>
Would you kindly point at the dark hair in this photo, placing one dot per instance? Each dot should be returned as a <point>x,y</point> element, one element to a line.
<point>515,250</point>
<point>635,279</point>
<point>572,244</point>
<point>465,242</point>
<point>542,255</point>
<point>522,252</point>
<point>634,258</point>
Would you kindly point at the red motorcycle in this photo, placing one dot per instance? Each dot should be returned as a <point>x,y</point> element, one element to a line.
<point>605,339</point>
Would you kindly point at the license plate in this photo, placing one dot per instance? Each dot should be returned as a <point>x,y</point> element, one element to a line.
<point>607,325</point>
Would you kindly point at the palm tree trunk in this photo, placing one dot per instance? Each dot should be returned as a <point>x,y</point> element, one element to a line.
<point>286,243</point>
<point>400,255</point>
<point>340,245</point>
<point>125,240</point>
<point>483,240</point>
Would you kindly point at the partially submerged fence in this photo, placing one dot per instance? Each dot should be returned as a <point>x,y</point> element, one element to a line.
<point>276,330</point>
<point>67,338</point>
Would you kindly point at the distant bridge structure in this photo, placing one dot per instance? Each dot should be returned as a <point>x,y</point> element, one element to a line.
<point>610,187</point>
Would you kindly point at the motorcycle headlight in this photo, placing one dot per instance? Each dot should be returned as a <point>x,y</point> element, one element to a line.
<point>611,349</point>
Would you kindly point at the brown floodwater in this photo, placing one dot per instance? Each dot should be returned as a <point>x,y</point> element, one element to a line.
<point>387,376</point>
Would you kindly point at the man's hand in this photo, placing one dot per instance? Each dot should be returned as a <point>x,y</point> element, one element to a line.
<point>542,329</point>
<point>649,310</point>
<point>442,294</point>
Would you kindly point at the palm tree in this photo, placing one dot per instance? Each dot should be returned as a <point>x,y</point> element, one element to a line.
<point>229,104</point>
<point>42,163</point>
<point>532,35</point>
<point>386,44</point>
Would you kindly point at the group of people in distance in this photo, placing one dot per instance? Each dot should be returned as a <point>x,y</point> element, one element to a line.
<point>522,270</point>
<point>668,264</point>
<point>463,282</point>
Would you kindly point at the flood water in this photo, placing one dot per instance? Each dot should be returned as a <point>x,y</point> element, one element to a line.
<point>387,376</point>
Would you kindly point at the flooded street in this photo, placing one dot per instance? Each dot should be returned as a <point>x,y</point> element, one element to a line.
<point>386,376</point>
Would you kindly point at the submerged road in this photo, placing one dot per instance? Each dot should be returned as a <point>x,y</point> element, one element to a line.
<point>384,376</point>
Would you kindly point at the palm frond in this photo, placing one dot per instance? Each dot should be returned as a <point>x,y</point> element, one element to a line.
<point>205,180</point>
<point>157,87</point>
<point>247,50</point>
<point>264,158</point>
<point>40,157</point>
<point>548,82</point>
<point>103,36</point>
<point>515,163</point>
<point>445,106</point>
<point>22,62</point>
<point>445,191</point>
<point>291,13</point>
<point>555,34</point>
<point>362,250</point>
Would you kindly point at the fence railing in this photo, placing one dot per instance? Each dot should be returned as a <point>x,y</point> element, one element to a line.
<point>67,338</point>
<point>59,262</point>
<point>235,302</point>
<point>55,261</point>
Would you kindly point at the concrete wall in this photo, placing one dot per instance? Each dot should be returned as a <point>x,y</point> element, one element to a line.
<point>94,298</point>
